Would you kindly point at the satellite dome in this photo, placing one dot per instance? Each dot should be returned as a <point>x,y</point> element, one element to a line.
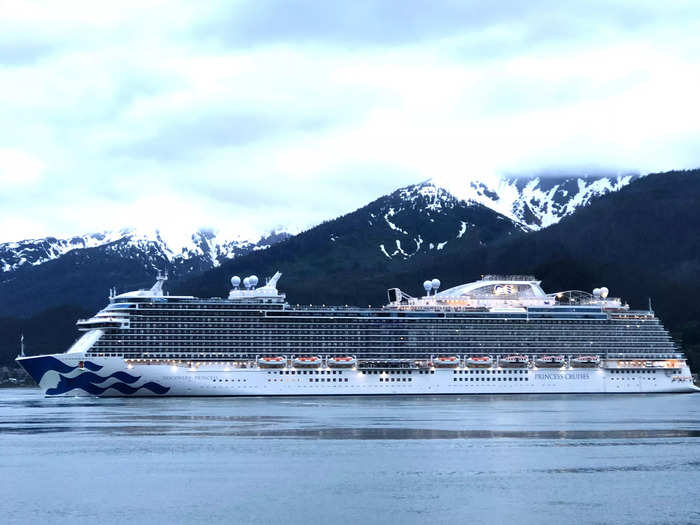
<point>235,281</point>
<point>596,292</point>
<point>427,285</point>
<point>246,282</point>
<point>604,292</point>
<point>253,280</point>
<point>435,283</point>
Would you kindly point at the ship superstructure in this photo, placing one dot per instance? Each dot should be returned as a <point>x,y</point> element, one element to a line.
<point>500,334</point>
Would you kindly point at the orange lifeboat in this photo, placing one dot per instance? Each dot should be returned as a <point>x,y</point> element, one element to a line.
<point>307,362</point>
<point>446,362</point>
<point>479,362</point>
<point>272,362</point>
<point>342,362</point>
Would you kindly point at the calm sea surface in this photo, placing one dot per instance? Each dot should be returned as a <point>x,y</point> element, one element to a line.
<point>490,459</point>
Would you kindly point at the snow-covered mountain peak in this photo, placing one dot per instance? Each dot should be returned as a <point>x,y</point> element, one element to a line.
<point>535,202</point>
<point>208,247</point>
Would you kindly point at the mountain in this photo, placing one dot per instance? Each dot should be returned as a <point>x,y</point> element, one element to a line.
<point>531,204</point>
<point>204,248</point>
<point>47,273</point>
<point>536,202</point>
<point>415,220</point>
<point>420,222</point>
<point>433,208</point>
<point>423,219</point>
<point>412,223</point>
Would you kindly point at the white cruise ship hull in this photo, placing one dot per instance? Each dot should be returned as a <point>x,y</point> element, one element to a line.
<point>73,374</point>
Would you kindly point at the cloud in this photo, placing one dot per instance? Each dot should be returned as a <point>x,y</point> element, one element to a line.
<point>375,23</point>
<point>192,136</point>
<point>252,114</point>
<point>18,168</point>
<point>18,53</point>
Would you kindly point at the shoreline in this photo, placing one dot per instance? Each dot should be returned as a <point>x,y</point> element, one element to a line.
<point>15,376</point>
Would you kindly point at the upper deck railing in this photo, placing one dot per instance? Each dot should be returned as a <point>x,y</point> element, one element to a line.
<point>495,277</point>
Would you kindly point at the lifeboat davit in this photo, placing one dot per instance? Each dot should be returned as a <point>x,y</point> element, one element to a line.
<point>272,362</point>
<point>342,362</point>
<point>585,361</point>
<point>514,361</point>
<point>479,362</point>
<point>550,361</point>
<point>446,362</point>
<point>307,362</point>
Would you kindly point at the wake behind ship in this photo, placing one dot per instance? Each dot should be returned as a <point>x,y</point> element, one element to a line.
<point>498,335</point>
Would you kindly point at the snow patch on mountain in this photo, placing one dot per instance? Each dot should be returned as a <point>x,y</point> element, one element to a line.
<point>391,224</point>
<point>400,249</point>
<point>462,229</point>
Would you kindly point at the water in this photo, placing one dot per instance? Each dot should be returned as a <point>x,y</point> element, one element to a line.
<point>486,459</point>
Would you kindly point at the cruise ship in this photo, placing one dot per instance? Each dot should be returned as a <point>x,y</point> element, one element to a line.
<point>497,335</point>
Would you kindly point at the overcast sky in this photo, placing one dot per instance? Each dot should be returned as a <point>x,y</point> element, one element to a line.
<point>245,115</point>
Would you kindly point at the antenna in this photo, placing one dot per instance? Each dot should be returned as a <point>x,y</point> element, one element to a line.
<point>21,345</point>
<point>650,309</point>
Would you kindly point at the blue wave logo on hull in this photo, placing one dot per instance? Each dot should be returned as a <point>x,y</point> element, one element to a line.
<point>87,381</point>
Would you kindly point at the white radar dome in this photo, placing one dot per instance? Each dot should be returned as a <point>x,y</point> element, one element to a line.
<point>427,285</point>
<point>435,283</point>
<point>604,292</point>
<point>253,279</point>
<point>596,292</point>
<point>235,281</point>
<point>246,282</point>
